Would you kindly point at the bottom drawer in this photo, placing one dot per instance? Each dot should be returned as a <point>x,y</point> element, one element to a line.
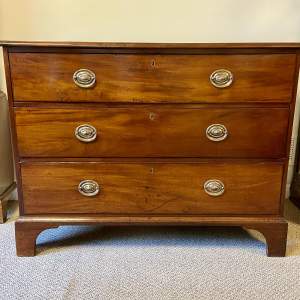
<point>151,188</point>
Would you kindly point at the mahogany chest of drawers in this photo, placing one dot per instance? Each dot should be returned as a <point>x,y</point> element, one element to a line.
<point>156,134</point>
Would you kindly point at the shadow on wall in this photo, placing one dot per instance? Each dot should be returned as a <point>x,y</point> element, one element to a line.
<point>6,162</point>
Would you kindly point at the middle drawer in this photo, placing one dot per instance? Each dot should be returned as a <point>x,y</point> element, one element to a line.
<point>152,131</point>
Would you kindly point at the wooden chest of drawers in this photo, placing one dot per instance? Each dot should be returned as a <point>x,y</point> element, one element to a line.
<point>151,134</point>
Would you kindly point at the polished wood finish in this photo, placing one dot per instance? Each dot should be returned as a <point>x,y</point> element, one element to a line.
<point>160,46</point>
<point>173,79</point>
<point>26,234</point>
<point>152,188</point>
<point>274,229</point>
<point>152,78</point>
<point>275,235</point>
<point>13,127</point>
<point>152,131</point>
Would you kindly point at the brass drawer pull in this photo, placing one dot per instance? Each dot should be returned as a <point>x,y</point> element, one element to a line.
<point>84,78</point>
<point>88,188</point>
<point>221,78</point>
<point>214,187</point>
<point>216,132</point>
<point>86,133</point>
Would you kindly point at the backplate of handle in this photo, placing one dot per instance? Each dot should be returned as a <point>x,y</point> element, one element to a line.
<point>86,133</point>
<point>221,78</point>
<point>216,132</point>
<point>88,188</point>
<point>214,187</point>
<point>84,78</point>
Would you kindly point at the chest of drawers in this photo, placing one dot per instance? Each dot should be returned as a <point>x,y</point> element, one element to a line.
<point>151,134</point>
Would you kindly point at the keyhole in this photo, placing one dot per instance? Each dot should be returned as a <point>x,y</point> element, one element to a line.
<point>153,63</point>
<point>152,171</point>
<point>152,116</point>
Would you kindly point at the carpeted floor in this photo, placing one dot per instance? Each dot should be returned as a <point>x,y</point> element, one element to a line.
<point>150,263</point>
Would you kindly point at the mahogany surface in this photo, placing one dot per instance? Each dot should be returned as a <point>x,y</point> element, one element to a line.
<point>151,78</point>
<point>28,228</point>
<point>152,188</point>
<point>152,131</point>
<point>160,46</point>
<point>151,105</point>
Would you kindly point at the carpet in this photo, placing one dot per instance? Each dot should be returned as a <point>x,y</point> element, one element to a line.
<point>83,262</point>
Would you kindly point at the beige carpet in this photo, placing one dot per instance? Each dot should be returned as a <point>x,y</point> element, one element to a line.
<point>150,263</point>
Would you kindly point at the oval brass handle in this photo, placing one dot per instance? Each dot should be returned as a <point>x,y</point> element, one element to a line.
<point>86,133</point>
<point>214,187</point>
<point>221,78</point>
<point>216,132</point>
<point>84,78</point>
<point>88,188</point>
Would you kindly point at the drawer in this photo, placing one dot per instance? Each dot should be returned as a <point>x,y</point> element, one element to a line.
<point>151,188</point>
<point>151,78</point>
<point>152,131</point>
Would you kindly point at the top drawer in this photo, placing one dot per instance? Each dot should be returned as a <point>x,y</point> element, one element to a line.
<point>152,78</point>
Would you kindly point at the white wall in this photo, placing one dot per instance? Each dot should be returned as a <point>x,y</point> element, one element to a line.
<point>151,20</point>
<point>148,21</point>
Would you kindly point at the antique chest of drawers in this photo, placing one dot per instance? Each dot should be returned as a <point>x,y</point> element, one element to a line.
<point>151,134</point>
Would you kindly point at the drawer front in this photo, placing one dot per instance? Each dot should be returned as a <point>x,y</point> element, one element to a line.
<point>152,78</point>
<point>152,188</point>
<point>152,131</point>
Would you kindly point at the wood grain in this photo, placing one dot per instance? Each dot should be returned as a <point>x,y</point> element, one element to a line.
<point>152,188</point>
<point>27,228</point>
<point>152,78</point>
<point>13,127</point>
<point>26,234</point>
<point>160,46</point>
<point>151,170</point>
<point>152,131</point>
<point>275,236</point>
